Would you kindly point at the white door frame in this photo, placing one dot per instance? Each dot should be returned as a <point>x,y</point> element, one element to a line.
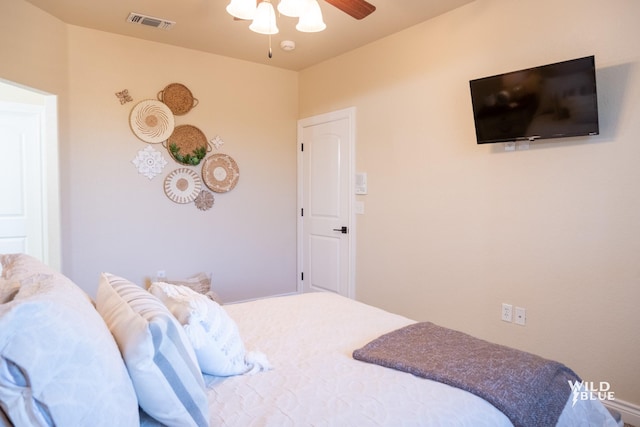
<point>22,97</point>
<point>350,115</point>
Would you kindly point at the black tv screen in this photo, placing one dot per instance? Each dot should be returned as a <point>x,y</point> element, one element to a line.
<point>550,101</point>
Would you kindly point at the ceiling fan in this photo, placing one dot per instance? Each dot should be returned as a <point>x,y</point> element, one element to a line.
<point>358,9</point>
<point>263,17</point>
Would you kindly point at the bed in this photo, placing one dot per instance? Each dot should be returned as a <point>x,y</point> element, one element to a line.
<point>311,377</point>
<point>315,380</point>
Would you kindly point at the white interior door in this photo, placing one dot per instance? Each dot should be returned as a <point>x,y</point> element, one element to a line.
<point>21,179</point>
<point>326,227</point>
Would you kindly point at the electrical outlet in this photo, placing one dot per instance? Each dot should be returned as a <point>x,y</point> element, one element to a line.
<point>521,316</point>
<point>507,312</point>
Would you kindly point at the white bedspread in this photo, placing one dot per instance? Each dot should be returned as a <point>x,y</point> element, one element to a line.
<point>309,340</point>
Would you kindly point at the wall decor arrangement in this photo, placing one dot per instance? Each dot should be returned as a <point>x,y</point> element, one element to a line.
<point>153,121</point>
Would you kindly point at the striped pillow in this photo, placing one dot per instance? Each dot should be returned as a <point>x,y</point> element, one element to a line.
<point>158,355</point>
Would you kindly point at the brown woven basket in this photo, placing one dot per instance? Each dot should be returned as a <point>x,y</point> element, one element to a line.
<point>220,173</point>
<point>187,145</point>
<point>178,98</point>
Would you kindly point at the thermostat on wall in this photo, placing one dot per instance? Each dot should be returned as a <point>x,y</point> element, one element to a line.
<point>361,183</point>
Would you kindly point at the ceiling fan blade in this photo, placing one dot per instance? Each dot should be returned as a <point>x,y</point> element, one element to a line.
<point>356,8</point>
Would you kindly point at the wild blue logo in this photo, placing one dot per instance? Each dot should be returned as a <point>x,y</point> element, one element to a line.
<point>588,390</point>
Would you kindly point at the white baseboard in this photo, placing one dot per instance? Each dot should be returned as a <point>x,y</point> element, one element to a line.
<point>269,296</point>
<point>630,412</point>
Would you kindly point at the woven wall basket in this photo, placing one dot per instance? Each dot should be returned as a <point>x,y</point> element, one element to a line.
<point>188,145</point>
<point>151,121</point>
<point>182,185</point>
<point>220,173</point>
<point>178,98</point>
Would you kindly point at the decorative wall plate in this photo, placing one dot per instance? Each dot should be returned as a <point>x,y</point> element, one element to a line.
<point>151,121</point>
<point>220,173</point>
<point>124,96</point>
<point>182,185</point>
<point>149,162</point>
<point>187,145</point>
<point>217,142</point>
<point>178,98</point>
<point>204,201</point>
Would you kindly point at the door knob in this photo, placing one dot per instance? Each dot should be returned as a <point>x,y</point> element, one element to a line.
<point>343,229</point>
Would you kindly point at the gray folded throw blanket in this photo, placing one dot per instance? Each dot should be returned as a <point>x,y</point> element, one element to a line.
<point>528,389</point>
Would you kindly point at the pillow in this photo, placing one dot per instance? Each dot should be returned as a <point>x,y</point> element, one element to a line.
<point>59,365</point>
<point>213,334</point>
<point>160,359</point>
<point>201,283</point>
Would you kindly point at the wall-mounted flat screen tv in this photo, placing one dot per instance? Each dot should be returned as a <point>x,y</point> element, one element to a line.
<point>551,101</point>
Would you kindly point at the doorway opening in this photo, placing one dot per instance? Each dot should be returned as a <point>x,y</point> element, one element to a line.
<point>29,172</point>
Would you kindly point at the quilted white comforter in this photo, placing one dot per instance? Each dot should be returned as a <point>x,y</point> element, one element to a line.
<point>309,340</point>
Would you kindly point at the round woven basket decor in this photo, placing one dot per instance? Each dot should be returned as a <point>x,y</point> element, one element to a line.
<point>220,173</point>
<point>151,121</point>
<point>178,98</point>
<point>182,185</point>
<point>187,145</point>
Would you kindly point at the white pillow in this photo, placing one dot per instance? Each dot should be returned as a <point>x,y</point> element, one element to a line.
<point>59,365</point>
<point>160,359</point>
<point>213,334</point>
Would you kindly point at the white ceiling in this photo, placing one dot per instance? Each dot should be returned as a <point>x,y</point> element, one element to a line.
<point>205,25</point>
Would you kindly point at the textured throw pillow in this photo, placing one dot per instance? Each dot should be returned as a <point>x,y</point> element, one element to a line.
<point>213,334</point>
<point>160,359</point>
<point>59,365</point>
<point>201,283</point>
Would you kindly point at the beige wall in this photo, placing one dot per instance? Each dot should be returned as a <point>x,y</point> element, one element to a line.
<point>33,47</point>
<point>452,229</point>
<point>122,222</point>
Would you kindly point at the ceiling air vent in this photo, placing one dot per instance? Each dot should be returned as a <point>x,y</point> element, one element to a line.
<point>150,21</point>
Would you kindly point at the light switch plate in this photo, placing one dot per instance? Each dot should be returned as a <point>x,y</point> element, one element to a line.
<point>361,183</point>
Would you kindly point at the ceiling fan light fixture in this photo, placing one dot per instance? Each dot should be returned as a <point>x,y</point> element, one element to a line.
<point>242,9</point>
<point>264,21</point>
<point>311,18</point>
<point>290,8</point>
